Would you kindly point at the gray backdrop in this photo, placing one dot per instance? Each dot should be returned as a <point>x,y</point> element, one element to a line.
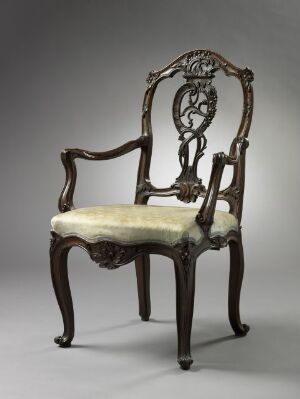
<point>73,74</point>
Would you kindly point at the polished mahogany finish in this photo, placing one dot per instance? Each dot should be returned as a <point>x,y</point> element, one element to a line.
<point>198,68</point>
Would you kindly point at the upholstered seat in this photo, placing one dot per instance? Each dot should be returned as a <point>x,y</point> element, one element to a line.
<point>168,224</point>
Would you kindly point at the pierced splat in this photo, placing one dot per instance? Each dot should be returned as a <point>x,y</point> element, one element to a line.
<point>196,99</point>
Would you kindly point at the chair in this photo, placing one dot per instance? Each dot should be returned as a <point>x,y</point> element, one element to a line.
<point>114,235</point>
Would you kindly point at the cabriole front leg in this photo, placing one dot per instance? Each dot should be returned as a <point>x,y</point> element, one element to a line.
<point>60,281</point>
<point>185,291</point>
<point>235,284</point>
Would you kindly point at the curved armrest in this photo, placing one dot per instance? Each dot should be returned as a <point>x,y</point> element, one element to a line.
<point>205,217</point>
<point>68,157</point>
<point>237,149</point>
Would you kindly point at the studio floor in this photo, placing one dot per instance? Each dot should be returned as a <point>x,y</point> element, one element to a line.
<point>115,355</point>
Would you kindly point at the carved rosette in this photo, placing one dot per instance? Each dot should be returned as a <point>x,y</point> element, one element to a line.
<point>109,255</point>
<point>189,191</point>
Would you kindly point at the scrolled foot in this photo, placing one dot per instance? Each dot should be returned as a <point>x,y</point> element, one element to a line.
<point>242,331</point>
<point>185,362</point>
<point>63,341</point>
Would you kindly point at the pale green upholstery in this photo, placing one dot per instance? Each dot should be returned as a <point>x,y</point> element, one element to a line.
<point>167,224</point>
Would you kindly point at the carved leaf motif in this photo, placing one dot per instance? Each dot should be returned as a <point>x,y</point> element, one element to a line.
<point>188,191</point>
<point>200,64</point>
<point>109,255</point>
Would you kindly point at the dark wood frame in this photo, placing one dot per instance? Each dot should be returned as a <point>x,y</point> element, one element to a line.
<point>188,187</point>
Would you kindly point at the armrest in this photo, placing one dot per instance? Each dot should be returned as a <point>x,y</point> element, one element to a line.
<point>237,149</point>
<point>205,216</point>
<point>68,157</point>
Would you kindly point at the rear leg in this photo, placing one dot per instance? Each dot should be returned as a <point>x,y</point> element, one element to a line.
<point>142,267</point>
<point>235,284</point>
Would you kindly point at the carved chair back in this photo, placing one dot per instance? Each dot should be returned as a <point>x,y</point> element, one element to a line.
<point>196,100</point>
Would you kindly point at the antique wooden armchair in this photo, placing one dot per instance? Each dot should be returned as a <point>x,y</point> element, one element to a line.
<point>114,235</point>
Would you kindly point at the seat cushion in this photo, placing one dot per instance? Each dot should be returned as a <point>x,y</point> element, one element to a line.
<point>128,223</point>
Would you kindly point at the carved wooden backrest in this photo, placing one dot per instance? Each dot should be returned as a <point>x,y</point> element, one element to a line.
<point>196,97</point>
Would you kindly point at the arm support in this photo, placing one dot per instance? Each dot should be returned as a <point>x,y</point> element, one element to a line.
<point>68,157</point>
<point>205,216</point>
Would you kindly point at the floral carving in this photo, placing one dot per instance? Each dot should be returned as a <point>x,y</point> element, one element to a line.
<point>109,255</point>
<point>200,64</point>
<point>189,186</point>
<point>188,191</point>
